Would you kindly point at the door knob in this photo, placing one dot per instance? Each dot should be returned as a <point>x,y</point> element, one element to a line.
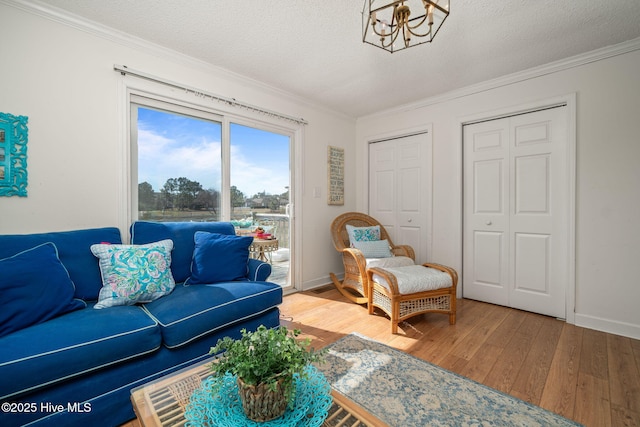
<point>409,221</point>
<point>489,223</point>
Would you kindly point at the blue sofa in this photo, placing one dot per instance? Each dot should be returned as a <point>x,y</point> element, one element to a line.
<point>78,368</point>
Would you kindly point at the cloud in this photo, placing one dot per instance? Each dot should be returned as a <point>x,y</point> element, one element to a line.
<point>252,176</point>
<point>198,159</point>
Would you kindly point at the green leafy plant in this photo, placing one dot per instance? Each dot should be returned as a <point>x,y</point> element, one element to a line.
<point>266,356</point>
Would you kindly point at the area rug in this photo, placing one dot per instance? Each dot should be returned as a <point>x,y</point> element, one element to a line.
<point>403,390</point>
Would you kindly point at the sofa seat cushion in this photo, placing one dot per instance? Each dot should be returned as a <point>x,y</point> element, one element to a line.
<point>73,344</point>
<point>196,311</point>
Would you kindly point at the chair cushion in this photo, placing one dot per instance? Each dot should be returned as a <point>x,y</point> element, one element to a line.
<point>195,311</point>
<point>134,273</point>
<point>362,234</point>
<point>182,234</point>
<point>396,261</point>
<point>34,287</point>
<point>374,248</point>
<point>416,278</point>
<point>219,258</point>
<point>73,344</point>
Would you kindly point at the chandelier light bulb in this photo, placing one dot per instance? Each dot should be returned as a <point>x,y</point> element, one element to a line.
<point>384,25</point>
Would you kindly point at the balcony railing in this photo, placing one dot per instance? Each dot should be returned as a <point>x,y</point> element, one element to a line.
<point>280,224</point>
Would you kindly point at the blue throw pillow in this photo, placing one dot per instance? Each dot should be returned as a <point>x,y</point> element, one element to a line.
<point>219,258</point>
<point>374,248</point>
<point>134,274</point>
<point>143,232</point>
<point>34,287</point>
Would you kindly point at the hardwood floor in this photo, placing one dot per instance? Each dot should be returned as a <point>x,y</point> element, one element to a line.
<point>588,376</point>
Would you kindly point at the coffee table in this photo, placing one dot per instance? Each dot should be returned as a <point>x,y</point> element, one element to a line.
<point>162,403</point>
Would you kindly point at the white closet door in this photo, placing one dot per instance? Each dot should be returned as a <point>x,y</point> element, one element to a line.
<point>400,189</point>
<point>516,212</point>
<point>486,212</point>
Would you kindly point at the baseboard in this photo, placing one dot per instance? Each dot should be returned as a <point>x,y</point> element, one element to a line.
<point>319,282</point>
<point>607,325</point>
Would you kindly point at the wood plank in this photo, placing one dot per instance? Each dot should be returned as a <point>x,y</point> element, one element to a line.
<point>592,407</point>
<point>484,327</point>
<point>531,378</point>
<point>559,394</point>
<point>507,329</point>
<point>511,361</point>
<point>623,416</point>
<point>635,347</point>
<point>446,335</point>
<point>453,363</point>
<point>623,373</point>
<point>594,355</point>
<point>482,363</point>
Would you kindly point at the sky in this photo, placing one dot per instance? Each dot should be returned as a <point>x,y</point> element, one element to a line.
<point>173,146</point>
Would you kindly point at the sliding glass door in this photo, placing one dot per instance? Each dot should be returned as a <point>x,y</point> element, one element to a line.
<point>189,164</point>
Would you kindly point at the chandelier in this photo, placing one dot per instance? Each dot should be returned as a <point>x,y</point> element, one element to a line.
<point>397,25</point>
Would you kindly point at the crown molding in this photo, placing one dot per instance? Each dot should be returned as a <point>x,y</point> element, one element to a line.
<point>46,11</point>
<point>35,7</point>
<point>532,73</point>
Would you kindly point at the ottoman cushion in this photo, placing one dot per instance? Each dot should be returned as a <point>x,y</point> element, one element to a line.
<point>416,278</point>
<point>386,263</point>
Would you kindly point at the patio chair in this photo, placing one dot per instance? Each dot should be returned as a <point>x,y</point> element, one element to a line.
<point>355,284</point>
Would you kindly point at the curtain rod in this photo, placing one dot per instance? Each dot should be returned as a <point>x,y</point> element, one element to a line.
<point>123,69</point>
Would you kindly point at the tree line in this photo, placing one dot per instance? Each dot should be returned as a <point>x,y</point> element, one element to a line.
<point>185,194</point>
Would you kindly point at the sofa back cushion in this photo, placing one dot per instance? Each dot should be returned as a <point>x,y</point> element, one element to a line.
<point>182,234</point>
<point>74,253</point>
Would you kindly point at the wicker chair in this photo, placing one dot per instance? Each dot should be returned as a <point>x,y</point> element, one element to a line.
<point>355,285</point>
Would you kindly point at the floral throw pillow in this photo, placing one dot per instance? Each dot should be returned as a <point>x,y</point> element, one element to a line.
<point>363,234</point>
<point>134,273</point>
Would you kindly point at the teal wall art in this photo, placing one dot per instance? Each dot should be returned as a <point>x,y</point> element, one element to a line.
<point>13,155</point>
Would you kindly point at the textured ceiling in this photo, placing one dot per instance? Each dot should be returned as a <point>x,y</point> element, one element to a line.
<point>313,49</point>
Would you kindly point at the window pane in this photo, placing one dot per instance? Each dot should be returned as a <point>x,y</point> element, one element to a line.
<point>179,167</point>
<point>259,171</point>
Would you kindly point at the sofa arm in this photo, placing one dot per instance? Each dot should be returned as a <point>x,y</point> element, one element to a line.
<point>259,271</point>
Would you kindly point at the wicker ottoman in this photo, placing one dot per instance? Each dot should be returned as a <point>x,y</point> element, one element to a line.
<point>403,292</point>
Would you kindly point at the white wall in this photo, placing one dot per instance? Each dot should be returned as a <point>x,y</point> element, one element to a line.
<point>61,76</point>
<point>607,173</point>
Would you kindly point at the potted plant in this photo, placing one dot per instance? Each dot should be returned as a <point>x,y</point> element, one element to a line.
<point>265,362</point>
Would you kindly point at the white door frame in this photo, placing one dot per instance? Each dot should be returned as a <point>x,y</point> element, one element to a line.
<point>570,101</point>
<point>400,133</point>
